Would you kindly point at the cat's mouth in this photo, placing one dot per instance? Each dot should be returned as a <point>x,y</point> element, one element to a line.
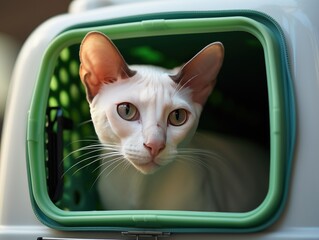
<point>147,164</point>
<point>144,163</point>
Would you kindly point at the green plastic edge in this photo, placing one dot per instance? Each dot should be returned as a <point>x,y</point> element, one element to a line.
<point>160,218</point>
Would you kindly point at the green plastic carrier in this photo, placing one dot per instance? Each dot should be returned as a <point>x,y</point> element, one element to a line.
<point>64,197</point>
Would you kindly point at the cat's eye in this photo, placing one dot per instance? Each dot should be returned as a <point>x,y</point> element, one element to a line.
<point>178,117</point>
<point>127,111</point>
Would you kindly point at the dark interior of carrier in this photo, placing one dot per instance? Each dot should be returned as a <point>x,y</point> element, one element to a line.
<point>237,107</point>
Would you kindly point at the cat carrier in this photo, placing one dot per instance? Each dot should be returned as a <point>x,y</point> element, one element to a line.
<point>63,183</point>
<point>253,100</point>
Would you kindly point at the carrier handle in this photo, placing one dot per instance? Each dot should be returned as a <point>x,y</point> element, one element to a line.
<point>146,234</point>
<point>137,234</point>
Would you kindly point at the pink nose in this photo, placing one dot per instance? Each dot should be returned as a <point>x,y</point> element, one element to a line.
<point>154,147</point>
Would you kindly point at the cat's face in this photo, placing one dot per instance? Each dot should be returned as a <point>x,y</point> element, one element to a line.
<point>143,110</point>
<point>147,116</point>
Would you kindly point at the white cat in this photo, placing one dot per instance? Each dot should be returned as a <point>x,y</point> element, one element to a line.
<point>146,117</point>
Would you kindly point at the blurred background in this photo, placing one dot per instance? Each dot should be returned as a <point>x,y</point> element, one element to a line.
<point>17,20</point>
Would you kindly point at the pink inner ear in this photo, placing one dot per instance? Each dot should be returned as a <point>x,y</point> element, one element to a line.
<point>201,71</point>
<point>101,63</point>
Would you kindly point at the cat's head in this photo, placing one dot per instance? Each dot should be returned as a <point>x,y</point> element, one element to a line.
<point>146,111</point>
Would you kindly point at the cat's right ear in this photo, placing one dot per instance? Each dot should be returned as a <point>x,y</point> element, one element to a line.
<point>101,63</point>
<point>200,73</point>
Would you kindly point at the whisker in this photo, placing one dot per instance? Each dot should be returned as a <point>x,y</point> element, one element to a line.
<point>113,151</point>
<point>90,163</point>
<point>111,161</point>
<point>95,147</point>
<point>84,122</point>
<point>200,152</point>
<point>193,160</point>
<point>86,165</point>
<point>126,167</point>
<point>102,172</point>
<point>101,145</point>
<point>75,151</point>
<point>86,140</point>
<point>82,141</point>
<point>88,153</point>
<point>203,157</point>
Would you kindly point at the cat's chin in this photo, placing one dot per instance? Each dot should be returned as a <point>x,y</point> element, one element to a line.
<point>147,168</point>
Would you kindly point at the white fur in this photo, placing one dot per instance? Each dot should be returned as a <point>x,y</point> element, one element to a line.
<point>226,181</point>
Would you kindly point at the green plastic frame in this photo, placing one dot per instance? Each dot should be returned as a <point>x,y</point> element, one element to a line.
<point>173,221</point>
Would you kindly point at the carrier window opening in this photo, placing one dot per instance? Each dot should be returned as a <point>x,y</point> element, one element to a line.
<point>238,107</point>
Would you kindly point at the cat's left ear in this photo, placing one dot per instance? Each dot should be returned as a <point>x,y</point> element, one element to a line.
<point>200,73</point>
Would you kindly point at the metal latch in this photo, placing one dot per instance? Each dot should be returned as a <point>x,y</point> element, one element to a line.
<point>146,234</point>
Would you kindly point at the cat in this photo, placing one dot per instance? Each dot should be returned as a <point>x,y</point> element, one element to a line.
<point>146,119</point>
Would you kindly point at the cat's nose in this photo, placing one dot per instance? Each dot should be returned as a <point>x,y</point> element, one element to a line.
<point>154,139</point>
<point>154,147</point>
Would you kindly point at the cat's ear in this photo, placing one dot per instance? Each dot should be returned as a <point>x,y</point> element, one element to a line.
<point>101,63</point>
<point>201,71</point>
